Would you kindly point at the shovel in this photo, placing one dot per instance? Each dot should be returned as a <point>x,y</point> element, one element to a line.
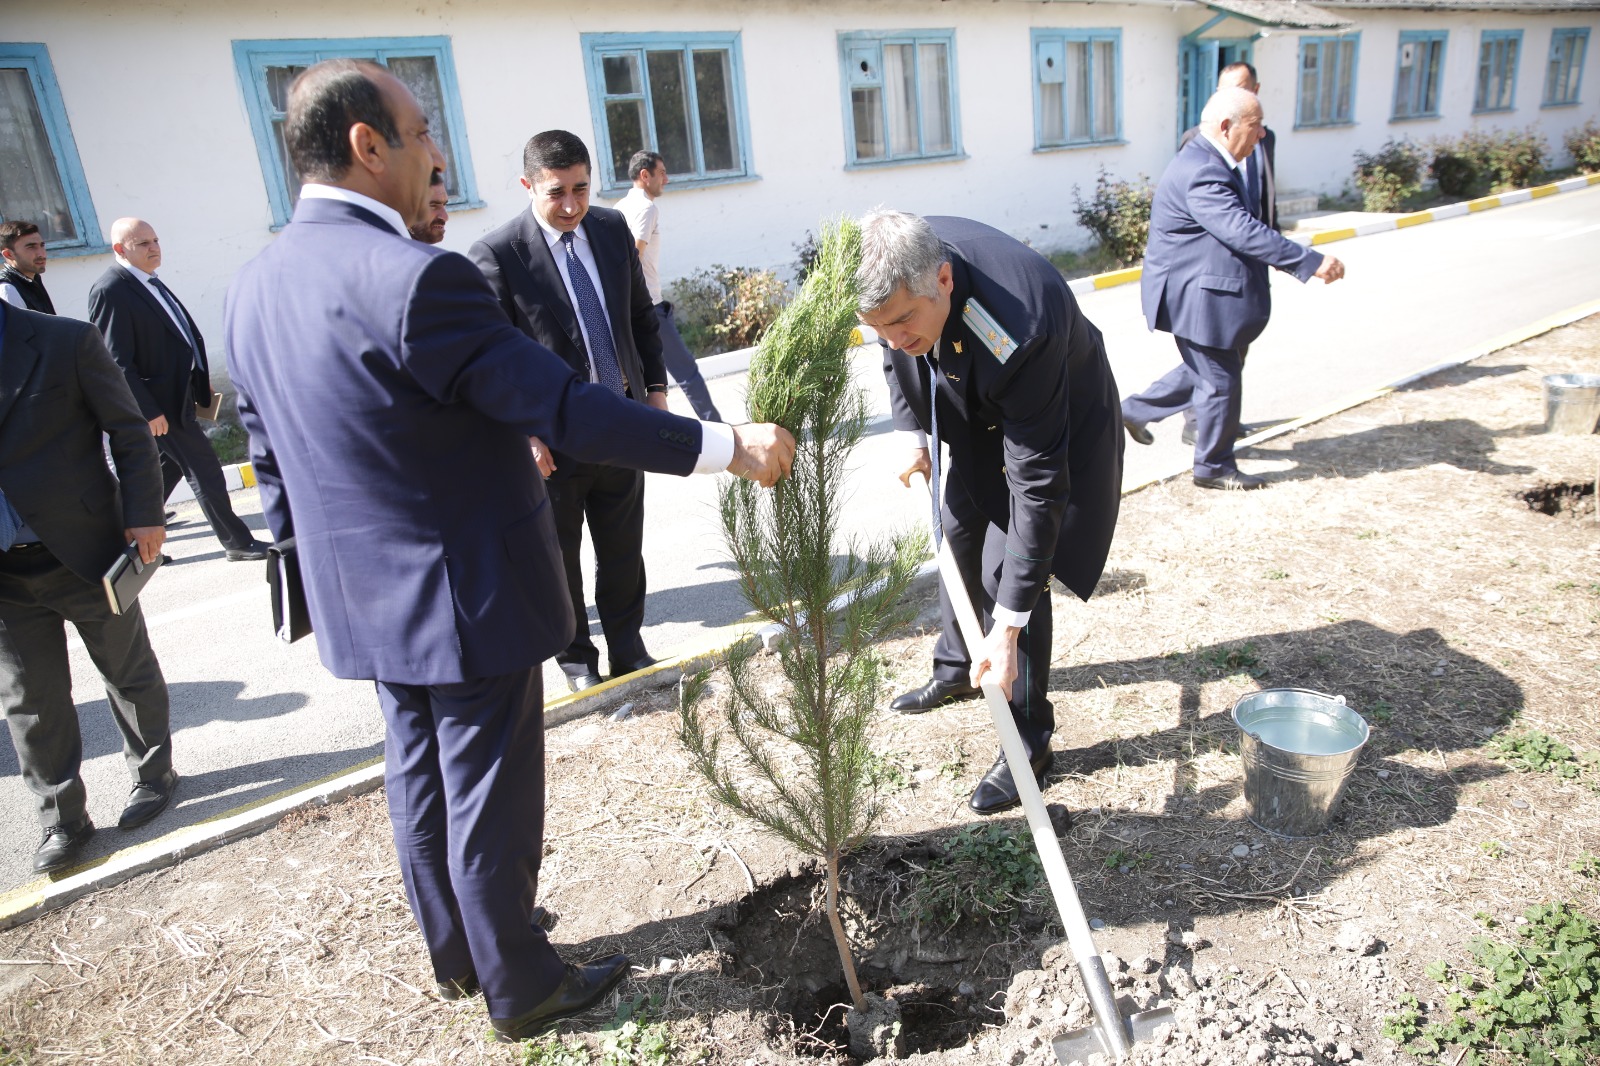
<point>1111,1034</point>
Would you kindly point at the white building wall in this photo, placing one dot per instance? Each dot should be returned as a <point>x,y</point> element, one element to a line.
<point>163,133</point>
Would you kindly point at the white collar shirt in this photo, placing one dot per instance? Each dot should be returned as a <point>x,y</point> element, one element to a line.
<point>585,254</point>
<point>313,191</point>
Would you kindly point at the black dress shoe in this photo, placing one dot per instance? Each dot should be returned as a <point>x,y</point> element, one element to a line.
<point>257,550</point>
<point>935,693</point>
<point>148,799</point>
<point>467,986</point>
<point>61,844</point>
<point>1138,431</point>
<point>1236,480</point>
<point>170,516</point>
<point>579,682</point>
<point>580,989</point>
<point>622,669</point>
<point>997,791</point>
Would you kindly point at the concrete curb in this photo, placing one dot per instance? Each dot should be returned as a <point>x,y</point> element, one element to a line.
<point>237,476</point>
<point>42,896</point>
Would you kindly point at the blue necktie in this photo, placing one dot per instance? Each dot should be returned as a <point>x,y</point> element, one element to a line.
<point>177,311</point>
<point>933,450</point>
<point>1252,183</point>
<point>602,351</point>
<point>10,523</point>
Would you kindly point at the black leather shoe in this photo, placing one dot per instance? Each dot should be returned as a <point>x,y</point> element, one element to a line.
<point>997,791</point>
<point>582,988</point>
<point>466,987</point>
<point>61,844</point>
<point>148,799</point>
<point>935,693</point>
<point>1138,431</point>
<point>579,682</point>
<point>257,550</point>
<point>622,669</point>
<point>1235,480</point>
<point>170,516</point>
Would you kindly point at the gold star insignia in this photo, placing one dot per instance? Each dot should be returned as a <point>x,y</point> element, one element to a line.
<point>957,347</point>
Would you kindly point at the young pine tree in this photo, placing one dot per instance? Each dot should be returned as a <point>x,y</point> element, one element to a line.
<point>799,764</point>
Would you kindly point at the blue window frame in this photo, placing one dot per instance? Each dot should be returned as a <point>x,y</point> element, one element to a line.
<point>899,96</point>
<point>41,177</point>
<point>1563,76</point>
<point>1077,80</point>
<point>424,64</point>
<point>1497,70</point>
<point>1419,68</point>
<point>680,94</point>
<point>1328,80</point>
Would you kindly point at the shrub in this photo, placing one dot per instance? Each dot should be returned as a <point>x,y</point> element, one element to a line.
<point>1460,166</point>
<point>722,308</point>
<point>805,258</point>
<point>1389,175</point>
<point>1517,158</point>
<point>1583,144</point>
<point>1118,214</point>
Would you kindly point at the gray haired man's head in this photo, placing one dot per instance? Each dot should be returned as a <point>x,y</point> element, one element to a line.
<point>897,250</point>
<point>1233,117</point>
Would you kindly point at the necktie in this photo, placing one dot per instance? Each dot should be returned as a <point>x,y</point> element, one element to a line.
<point>933,449</point>
<point>602,351</point>
<point>10,523</point>
<point>177,311</point>
<point>1252,182</point>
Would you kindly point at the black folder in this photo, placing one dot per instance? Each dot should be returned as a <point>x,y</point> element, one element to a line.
<point>290,619</point>
<point>126,577</point>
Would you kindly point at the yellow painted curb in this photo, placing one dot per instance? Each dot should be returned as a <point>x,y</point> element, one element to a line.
<point>1416,219</point>
<point>1117,277</point>
<point>1331,235</point>
<point>247,474</point>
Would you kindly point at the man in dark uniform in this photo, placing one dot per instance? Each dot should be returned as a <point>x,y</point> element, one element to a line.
<point>1029,409</point>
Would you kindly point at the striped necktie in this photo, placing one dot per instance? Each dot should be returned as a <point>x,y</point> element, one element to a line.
<point>602,350</point>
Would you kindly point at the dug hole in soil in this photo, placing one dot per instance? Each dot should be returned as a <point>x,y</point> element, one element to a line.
<point>1432,556</point>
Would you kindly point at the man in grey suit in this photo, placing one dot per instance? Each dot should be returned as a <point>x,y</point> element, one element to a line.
<point>64,518</point>
<point>1205,282</point>
<point>569,276</point>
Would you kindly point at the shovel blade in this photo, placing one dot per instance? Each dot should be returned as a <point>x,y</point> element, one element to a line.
<point>1074,1048</point>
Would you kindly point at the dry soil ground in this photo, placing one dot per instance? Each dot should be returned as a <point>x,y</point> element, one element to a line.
<point>1396,560</point>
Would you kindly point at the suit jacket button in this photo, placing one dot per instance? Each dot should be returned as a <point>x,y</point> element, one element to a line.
<point>663,433</point>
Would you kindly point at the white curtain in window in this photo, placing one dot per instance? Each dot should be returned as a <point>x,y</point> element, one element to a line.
<point>938,135</point>
<point>1105,89</point>
<point>420,74</point>
<point>1077,90</point>
<point>30,182</point>
<point>900,91</point>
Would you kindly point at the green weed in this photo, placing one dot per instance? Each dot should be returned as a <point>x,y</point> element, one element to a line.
<point>887,771</point>
<point>553,1050</point>
<point>1122,859</point>
<point>1381,712</point>
<point>986,873</point>
<point>1586,864</point>
<point>1536,752</point>
<point>1492,848</point>
<point>1276,575</point>
<point>634,1039</point>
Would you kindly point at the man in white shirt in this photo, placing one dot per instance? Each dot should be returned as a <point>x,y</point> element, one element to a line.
<point>639,207</point>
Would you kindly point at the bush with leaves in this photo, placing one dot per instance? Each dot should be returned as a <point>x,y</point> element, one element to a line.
<point>797,762</point>
<point>1517,158</point>
<point>1388,176</point>
<point>722,308</point>
<point>986,873</point>
<point>1118,214</point>
<point>1460,165</point>
<point>1583,145</point>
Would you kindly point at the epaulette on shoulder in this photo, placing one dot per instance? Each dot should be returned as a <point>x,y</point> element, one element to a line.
<point>983,325</point>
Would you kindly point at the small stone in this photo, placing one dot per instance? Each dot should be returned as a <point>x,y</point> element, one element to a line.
<point>1241,851</point>
<point>1492,597</point>
<point>1520,804</point>
<point>1186,866</point>
<point>1144,964</point>
<point>623,713</point>
<point>1344,1052</point>
<point>1353,937</point>
<point>1097,923</point>
<point>668,965</point>
<point>1383,775</point>
<point>1437,671</point>
<point>967,988</point>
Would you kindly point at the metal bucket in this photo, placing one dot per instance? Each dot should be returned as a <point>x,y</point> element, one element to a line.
<point>1571,403</point>
<point>1299,747</point>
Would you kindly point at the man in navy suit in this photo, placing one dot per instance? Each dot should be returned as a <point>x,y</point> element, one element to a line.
<point>389,405</point>
<point>1205,282</point>
<point>1027,404</point>
<point>568,275</point>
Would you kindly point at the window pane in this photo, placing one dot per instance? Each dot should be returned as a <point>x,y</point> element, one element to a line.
<point>899,80</point>
<point>866,115</point>
<point>278,81</point>
<point>30,181</point>
<point>625,125</point>
<point>1309,55</point>
<point>1347,66</point>
<point>1105,89</point>
<point>713,90</point>
<point>669,106</point>
<point>1508,70</point>
<point>420,74</point>
<point>1575,48</point>
<point>1430,99</point>
<point>933,73</point>
<point>621,74</point>
<point>1052,114</point>
<point>1077,91</point>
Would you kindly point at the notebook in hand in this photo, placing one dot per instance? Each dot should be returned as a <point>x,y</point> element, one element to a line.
<point>126,577</point>
<point>209,411</point>
<point>290,618</point>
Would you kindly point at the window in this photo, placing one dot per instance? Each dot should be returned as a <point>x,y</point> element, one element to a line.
<point>1565,72</point>
<point>424,64</point>
<point>1076,75</point>
<point>900,96</point>
<point>1328,80</point>
<point>1419,70</point>
<point>1497,70</point>
<point>41,179</point>
<point>678,94</point>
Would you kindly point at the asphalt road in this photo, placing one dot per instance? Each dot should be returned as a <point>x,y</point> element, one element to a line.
<point>254,718</point>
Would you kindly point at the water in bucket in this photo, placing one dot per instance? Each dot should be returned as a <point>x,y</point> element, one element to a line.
<point>1299,748</point>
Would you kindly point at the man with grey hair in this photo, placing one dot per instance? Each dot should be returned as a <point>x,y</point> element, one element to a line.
<point>1205,282</point>
<point>987,353</point>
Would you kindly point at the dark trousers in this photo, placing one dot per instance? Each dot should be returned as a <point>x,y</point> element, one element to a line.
<point>464,775</point>
<point>682,366</point>
<point>1208,380</point>
<point>187,448</point>
<point>979,548</point>
<point>37,595</point>
<point>611,498</point>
